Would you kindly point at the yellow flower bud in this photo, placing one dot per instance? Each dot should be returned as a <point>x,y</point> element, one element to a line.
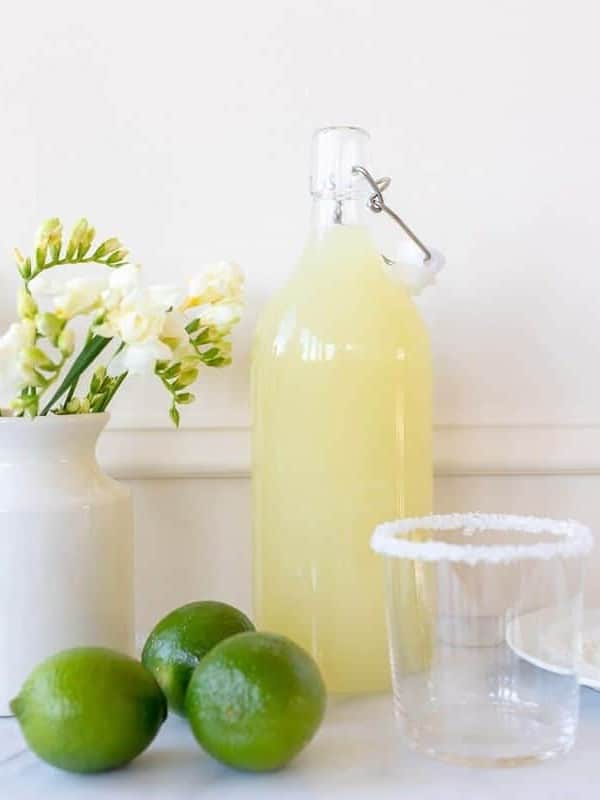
<point>190,362</point>
<point>107,247</point>
<point>35,358</point>
<point>66,342</point>
<point>33,378</point>
<point>86,242</point>
<point>185,398</point>
<point>78,232</point>
<point>19,257</point>
<point>49,325</point>
<point>49,233</point>
<point>118,255</point>
<point>26,307</point>
<point>186,379</point>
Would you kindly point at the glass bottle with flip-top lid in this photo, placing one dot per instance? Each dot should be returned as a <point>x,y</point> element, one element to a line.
<point>342,426</point>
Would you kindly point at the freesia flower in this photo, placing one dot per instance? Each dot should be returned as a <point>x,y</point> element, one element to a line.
<point>139,358</point>
<point>138,320</point>
<point>175,335</point>
<point>222,317</point>
<point>142,319</point>
<point>14,371</point>
<point>49,233</point>
<point>121,282</point>
<point>70,297</point>
<point>165,294</point>
<point>81,296</point>
<point>216,283</point>
<point>161,329</point>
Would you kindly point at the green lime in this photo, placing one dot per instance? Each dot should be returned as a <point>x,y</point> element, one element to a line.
<point>175,646</point>
<point>89,709</point>
<point>255,701</point>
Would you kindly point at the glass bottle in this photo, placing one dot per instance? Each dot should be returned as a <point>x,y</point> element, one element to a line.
<point>342,429</point>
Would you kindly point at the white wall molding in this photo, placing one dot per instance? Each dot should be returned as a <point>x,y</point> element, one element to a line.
<point>459,450</point>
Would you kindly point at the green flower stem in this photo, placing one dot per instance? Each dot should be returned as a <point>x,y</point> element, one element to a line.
<point>111,385</point>
<point>52,379</point>
<point>113,391</point>
<point>73,386</point>
<point>61,262</point>
<point>71,391</point>
<point>88,354</point>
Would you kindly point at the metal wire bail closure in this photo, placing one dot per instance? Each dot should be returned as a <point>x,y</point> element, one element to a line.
<point>432,260</point>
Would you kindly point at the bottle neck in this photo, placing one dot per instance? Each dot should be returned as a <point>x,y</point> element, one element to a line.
<point>329,210</point>
<point>339,192</point>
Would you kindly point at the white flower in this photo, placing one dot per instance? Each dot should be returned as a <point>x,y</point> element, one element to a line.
<point>45,285</point>
<point>125,278</point>
<point>81,296</point>
<point>139,321</point>
<point>174,327</point>
<point>222,316</point>
<point>69,297</point>
<point>167,295</point>
<point>121,281</point>
<point>216,283</point>
<point>123,295</point>
<point>139,359</point>
<point>13,370</point>
<point>174,334</point>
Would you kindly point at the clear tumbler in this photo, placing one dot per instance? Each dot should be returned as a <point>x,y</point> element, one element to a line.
<point>484,617</point>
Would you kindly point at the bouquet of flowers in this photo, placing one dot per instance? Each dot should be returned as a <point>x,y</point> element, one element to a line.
<point>166,330</point>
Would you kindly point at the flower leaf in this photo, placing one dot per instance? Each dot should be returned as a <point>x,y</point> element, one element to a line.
<point>89,353</point>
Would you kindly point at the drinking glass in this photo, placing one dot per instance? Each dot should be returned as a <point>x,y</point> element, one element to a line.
<point>484,616</point>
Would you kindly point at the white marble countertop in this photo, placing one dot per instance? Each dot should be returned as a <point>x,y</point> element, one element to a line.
<point>357,754</point>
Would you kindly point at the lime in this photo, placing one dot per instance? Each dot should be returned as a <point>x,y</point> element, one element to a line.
<point>89,709</point>
<point>255,701</point>
<point>178,642</point>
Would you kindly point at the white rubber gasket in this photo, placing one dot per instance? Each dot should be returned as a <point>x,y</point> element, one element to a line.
<point>416,273</point>
<point>390,538</point>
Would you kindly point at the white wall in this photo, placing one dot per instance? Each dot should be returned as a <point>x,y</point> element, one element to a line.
<point>183,127</point>
<point>193,536</point>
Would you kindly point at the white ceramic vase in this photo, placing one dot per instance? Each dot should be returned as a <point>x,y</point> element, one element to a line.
<point>66,545</point>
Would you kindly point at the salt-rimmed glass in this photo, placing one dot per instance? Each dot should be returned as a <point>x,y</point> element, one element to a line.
<point>469,597</point>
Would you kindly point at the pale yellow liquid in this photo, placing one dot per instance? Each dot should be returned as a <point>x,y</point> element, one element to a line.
<point>342,442</point>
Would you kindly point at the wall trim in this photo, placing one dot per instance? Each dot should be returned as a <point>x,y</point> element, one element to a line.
<point>145,453</point>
